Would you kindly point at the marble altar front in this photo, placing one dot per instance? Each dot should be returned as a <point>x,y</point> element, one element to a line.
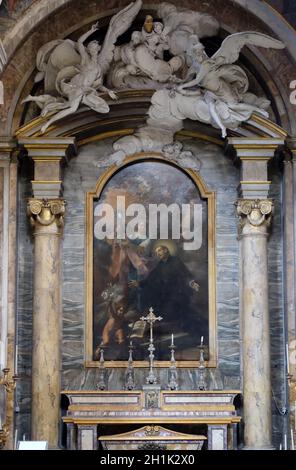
<point>89,410</point>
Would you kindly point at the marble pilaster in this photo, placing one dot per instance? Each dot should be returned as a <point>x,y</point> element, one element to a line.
<point>217,437</point>
<point>290,270</point>
<point>8,171</point>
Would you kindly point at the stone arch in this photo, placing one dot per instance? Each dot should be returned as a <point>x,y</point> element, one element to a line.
<point>18,76</point>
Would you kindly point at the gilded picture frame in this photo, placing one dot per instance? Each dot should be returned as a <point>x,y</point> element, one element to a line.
<point>96,269</point>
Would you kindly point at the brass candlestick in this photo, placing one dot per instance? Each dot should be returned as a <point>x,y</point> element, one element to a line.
<point>9,382</point>
<point>4,433</point>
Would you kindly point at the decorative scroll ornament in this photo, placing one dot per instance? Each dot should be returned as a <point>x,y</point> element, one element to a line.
<point>152,446</point>
<point>152,430</point>
<point>46,212</point>
<point>256,212</point>
<point>4,433</point>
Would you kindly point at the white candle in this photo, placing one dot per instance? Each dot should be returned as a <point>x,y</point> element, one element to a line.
<point>16,358</point>
<point>172,339</point>
<point>201,341</point>
<point>280,446</point>
<point>15,440</point>
<point>287,354</point>
<point>285,442</point>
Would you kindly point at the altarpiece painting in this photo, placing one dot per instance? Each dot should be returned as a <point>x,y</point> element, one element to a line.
<point>150,243</point>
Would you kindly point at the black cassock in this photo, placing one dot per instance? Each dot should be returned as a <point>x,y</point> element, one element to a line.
<point>167,290</point>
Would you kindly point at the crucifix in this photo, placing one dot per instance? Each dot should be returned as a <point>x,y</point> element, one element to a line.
<point>151,319</point>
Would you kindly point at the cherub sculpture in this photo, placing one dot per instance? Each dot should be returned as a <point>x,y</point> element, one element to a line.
<point>141,63</point>
<point>79,78</point>
<point>224,86</point>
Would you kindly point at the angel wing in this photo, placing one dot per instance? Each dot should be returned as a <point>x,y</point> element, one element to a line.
<point>51,58</point>
<point>119,23</point>
<point>232,45</point>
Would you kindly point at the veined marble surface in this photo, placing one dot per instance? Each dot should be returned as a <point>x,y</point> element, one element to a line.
<point>81,176</point>
<point>276,312</point>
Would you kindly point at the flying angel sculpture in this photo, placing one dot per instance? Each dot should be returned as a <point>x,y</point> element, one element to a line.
<point>222,85</point>
<point>79,78</point>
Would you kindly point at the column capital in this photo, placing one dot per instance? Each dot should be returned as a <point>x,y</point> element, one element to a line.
<point>48,155</point>
<point>254,155</point>
<point>256,212</point>
<point>46,212</point>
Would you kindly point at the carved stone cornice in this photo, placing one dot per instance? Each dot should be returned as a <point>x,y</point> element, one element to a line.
<point>45,212</point>
<point>255,212</point>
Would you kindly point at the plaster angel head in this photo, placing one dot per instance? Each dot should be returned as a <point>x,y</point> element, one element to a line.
<point>94,48</point>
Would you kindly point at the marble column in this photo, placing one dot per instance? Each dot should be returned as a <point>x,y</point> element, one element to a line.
<point>47,219</point>
<point>255,213</point>
<point>46,212</point>
<point>255,216</point>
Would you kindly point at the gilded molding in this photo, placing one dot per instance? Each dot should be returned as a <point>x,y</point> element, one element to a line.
<point>255,212</point>
<point>46,212</point>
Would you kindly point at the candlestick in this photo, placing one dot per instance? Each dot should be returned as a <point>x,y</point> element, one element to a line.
<point>129,378</point>
<point>292,440</point>
<point>8,382</point>
<point>101,385</point>
<point>15,440</point>
<point>201,368</point>
<point>173,375</point>
<point>4,432</point>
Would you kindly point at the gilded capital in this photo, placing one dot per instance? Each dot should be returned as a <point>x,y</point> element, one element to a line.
<point>46,212</point>
<point>255,212</point>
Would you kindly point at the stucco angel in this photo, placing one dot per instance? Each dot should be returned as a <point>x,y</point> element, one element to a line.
<point>80,78</point>
<point>140,64</point>
<point>222,85</point>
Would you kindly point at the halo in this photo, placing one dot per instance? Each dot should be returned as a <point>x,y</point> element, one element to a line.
<point>169,244</point>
